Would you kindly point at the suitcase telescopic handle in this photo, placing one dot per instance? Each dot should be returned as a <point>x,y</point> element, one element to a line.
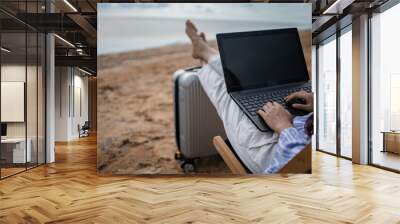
<point>192,68</point>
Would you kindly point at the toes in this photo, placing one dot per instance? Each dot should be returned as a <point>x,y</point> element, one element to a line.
<point>190,25</point>
<point>191,31</point>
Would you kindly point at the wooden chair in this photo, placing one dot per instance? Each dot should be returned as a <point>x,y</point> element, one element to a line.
<point>299,164</point>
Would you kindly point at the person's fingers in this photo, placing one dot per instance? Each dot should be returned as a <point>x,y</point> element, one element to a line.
<point>300,106</point>
<point>291,97</point>
<point>273,106</point>
<point>262,113</point>
<point>288,97</point>
<point>267,106</point>
<point>299,94</point>
<point>277,105</point>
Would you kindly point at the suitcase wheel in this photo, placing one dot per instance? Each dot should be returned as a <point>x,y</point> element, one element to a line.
<point>188,167</point>
<point>178,155</point>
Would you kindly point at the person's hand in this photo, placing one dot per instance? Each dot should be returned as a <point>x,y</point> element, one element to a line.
<point>307,97</point>
<point>277,117</point>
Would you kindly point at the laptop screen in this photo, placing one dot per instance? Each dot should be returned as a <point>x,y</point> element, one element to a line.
<point>262,58</point>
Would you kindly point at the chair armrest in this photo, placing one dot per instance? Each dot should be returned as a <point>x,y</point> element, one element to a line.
<point>227,155</point>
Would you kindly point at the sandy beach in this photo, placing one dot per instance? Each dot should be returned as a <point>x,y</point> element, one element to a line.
<point>135,112</point>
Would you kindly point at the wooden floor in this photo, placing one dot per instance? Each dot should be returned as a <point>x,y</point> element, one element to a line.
<point>70,191</point>
<point>5,172</point>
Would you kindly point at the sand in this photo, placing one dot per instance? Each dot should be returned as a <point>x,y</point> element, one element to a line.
<point>136,133</point>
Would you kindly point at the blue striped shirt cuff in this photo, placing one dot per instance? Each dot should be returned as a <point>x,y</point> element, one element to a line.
<point>291,142</point>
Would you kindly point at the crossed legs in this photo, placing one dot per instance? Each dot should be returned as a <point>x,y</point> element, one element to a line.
<point>255,148</point>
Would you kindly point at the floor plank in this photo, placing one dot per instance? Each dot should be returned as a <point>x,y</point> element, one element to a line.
<point>70,191</point>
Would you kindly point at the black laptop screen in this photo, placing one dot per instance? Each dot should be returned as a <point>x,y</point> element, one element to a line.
<point>262,58</point>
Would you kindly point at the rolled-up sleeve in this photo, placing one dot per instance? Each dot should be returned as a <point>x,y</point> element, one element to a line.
<point>291,142</point>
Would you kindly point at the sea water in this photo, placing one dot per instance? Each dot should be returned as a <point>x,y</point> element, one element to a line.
<point>123,33</point>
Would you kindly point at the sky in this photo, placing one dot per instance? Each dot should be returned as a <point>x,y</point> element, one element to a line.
<point>290,12</point>
<point>135,26</point>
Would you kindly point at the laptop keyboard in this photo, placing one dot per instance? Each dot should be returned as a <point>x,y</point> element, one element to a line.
<point>255,102</point>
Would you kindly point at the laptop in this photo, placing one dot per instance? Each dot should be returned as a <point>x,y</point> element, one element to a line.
<point>263,66</point>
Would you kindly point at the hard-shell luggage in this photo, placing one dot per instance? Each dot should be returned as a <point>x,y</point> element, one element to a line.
<point>196,120</point>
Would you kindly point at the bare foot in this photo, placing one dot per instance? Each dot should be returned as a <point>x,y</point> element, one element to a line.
<point>203,36</point>
<point>201,49</point>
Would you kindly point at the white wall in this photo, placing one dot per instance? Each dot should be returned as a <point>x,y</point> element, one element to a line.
<point>12,73</point>
<point>62,81</point>
<point>70,83</point>
<point>79,110</point>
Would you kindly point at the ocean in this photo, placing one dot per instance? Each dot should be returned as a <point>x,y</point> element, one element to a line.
<point>121,34</point>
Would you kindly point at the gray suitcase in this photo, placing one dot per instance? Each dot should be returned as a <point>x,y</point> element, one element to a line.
<point>196,120</point>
